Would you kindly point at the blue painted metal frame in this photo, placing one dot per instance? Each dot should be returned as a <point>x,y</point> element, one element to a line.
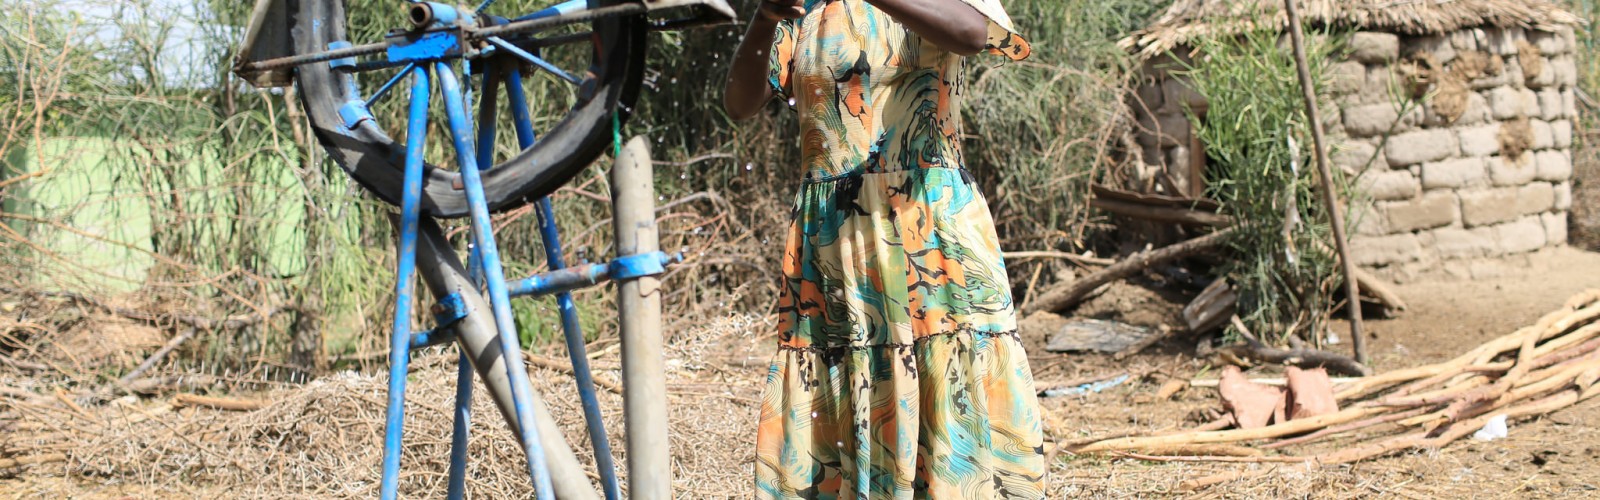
<point>562,8</point>
<point>400,343</point>
<point>427,47</point>
<point>430,338</point>
<point>639,266</point>
<point>458,432</point>
<point>534,59</point>
<point>570,326</point>
<point>449,310</point>
<point>418,52</point>
<point>463,413</point>
<point>494,276</point>
<point>587,275</point>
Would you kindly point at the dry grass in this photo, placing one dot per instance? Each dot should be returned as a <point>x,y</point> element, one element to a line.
<point>324,439</point>
<point>1190,20</point>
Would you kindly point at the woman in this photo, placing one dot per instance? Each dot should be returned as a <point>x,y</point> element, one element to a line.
<point>899,373</point>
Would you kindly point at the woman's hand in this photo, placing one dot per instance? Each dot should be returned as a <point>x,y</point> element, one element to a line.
<point>782,10</point>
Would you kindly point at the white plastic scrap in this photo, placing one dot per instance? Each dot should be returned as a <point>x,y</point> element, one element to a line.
<point>1495,429</point>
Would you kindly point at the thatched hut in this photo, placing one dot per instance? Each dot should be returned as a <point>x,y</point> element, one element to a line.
<point>1482,169</point>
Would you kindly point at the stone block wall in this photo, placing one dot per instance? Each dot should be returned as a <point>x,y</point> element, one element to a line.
<point>1478,167</point>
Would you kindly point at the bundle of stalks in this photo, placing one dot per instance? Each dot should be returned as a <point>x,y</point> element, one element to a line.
<point>1535,370</point>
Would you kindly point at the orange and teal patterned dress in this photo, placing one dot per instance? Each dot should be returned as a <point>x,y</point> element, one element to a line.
<point>899,373</point>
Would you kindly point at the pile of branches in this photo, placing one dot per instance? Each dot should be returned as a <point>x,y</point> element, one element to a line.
<point>1535,370</point>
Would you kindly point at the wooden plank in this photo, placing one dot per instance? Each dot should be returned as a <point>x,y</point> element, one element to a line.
<point>1211,308</point>
<point>1158,213</point>
<point>1082,335</point>
<point>1107,192</point>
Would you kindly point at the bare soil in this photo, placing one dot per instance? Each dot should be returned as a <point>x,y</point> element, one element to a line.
<point>322,439</point>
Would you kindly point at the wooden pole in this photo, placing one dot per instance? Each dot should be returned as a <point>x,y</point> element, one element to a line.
<point>644,383</point>
<point>1329,197</point>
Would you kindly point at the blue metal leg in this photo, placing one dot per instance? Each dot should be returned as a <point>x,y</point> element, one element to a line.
<point>494,275</point>
<point>459,435</point>
<point>569,311</point>
<point>400,344</point>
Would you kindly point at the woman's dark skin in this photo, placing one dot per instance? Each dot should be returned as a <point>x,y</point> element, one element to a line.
<point>952,25</point>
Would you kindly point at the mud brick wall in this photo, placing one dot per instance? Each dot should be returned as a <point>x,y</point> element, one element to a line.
<point>1478,166</point>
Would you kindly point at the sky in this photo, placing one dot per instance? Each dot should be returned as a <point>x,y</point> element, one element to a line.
<point>185,55</point>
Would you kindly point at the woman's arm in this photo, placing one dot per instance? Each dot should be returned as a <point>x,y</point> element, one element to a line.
<point>747,89</point>
<point>951,24</point>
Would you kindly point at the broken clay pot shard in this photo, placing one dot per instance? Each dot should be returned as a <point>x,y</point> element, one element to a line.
<point>1252,405</point>
<point>1310,393</point>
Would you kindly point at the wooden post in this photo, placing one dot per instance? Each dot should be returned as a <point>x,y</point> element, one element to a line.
<point>1329,197</point>
<point>644,382</point>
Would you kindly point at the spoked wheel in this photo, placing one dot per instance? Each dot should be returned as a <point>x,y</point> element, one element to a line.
<point>599,72</point>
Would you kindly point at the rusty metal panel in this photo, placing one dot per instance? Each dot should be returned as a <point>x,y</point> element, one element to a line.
<point>267,37</point>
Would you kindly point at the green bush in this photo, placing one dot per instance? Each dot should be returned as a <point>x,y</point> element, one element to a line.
<point>1258,140</point>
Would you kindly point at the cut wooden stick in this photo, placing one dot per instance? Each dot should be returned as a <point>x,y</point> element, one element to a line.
<point>1231,436</point>
<point>1379,291</point>
<point>1272,381</point>
<point>1067,295</point>
<point>1551,364</point>
<point>1253,459</point>
<point>1214,450</point>
<point>1071,257</point>
<point>562,366</point>
<point>6,463</point>
<point>66,400</point>
<point>1340,429</point>
<point>160,354</point>
<point>1303,358</point>
<point>1176,215</point>
<point>230,404</point>
<point>1226,477</point>
<point>1548,404</point>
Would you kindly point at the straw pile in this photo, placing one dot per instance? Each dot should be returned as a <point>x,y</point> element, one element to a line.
<point>324,439</point>
<point>1188,20</point>
<point>1535,370</point>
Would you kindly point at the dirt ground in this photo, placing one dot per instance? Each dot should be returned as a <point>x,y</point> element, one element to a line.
<point>322,439</point>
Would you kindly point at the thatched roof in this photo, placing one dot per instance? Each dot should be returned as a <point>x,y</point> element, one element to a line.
<point>1188,20</point>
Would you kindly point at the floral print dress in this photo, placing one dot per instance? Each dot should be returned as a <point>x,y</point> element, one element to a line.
<point>899,373</point>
